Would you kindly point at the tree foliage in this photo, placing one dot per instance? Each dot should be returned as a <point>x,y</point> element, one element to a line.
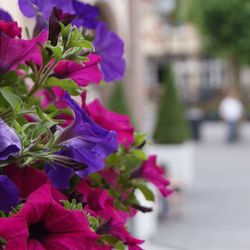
<point>225,26</point>
<point>171,127</point>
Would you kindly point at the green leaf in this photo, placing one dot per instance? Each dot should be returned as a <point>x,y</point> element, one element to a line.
<point>113,160</point>
<point>147,192</point>
<point>66,84</point>
<point>14,101</point>
<point>139,154</point>
<point>139,139</point>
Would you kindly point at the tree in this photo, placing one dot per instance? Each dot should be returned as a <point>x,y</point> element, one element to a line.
<point>117,102</point>
<point>225,26</point>
<point>171,127</point>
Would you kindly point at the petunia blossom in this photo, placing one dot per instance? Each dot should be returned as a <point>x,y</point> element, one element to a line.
<point>87,15</point>
<point>5,16</point>
<point>85,142</point>
<point>153,173</point>
<point>41,10</point>
<point>10,143</point>
<point>9,196</point>
<point>27,179</point>
<point>16,51</point>
<point>43,223</point>
<point>111,48</point>
<point>11,29</point>
<point>113,121</point>
<point>82,73</point>
<point>117,229</point>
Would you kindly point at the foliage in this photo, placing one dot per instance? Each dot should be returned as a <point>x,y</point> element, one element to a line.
<point>225,26</point>
<point>171,126</point>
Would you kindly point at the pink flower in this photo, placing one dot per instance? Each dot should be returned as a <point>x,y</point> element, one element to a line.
<point>117,229</point>
<point>27,179</point>
<point>43,224</point>
<point>99,203</point>
<point>82,74</point>
<point>113,121</point>
<point>154,174</point>
<point>16,51</point>
<point>11,29</point>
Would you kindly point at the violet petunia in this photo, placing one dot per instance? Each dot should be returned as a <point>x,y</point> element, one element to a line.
<point>4,15</point>
<point>16,51</point>
<point>9,196</point>
<point>59,175</point>
<point>41,9</point>
<point>87,15</point>
<point>85,142</point>
<point>113,121</point>
<point>10,143</point>
<point>82,73</point>
<point>111,48</point>
<point>43,223</point>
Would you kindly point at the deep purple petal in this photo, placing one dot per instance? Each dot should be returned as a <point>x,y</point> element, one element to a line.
<point>111,48</point>
<point>59,175</point>
<point>87,15</point>
<point>10,142</point>
<point>8,194</point>
<point>4,15</point>
<point>26,6</point>
<point>87,142</point>
<point>31,8</point>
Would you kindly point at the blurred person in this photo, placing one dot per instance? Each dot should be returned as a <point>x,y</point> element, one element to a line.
<point>231,111</point>
<point>195,117</point>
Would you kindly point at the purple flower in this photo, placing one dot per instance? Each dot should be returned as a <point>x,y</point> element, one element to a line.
<point>111,48</point>
<point>59,175</point>
<point>31,8</point>
<point>8,194</point>
<point>10,143</point>
<point>4,15</point>
<point>41,9</point>
<point>85,142</point>
<point>87,15</point>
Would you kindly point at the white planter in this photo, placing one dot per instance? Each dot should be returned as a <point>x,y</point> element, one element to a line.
<point>179,160</point>
<point>146,224</point>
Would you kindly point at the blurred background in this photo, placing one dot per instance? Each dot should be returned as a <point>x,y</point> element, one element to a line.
<point>187,86</point>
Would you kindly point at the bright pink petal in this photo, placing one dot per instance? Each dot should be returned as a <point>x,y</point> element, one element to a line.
<point>82,74</point>
<point>11,29</point>
<point>27,179</point>
<point>17,51</point>
<point>155,174</point>
<point>113,121</point>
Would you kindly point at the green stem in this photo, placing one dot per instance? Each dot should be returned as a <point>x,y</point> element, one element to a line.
<point>42,77</point>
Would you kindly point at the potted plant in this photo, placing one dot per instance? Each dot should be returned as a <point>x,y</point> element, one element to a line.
<point>172,134</point>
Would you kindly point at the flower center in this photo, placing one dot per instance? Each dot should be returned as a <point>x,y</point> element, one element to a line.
<point>38,231</point>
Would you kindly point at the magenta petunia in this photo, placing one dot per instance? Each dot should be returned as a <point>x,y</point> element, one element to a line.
<point>113,121</point>
<point>82,73</point>
<point>16,51</point>
<point>153,173</point>
<point>44,224</point>
<point>117,229</point>
<point>99,203</point>
<point>27,179</point>
<point>11,29</point>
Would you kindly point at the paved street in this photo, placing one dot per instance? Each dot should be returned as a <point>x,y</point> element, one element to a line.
<point>216,210</point>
